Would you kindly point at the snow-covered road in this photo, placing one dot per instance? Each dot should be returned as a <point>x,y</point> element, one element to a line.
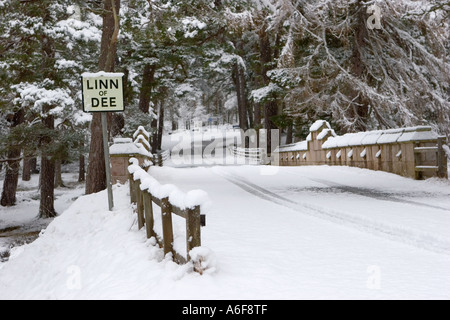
<point>275,233</point>
<point>324,231</point>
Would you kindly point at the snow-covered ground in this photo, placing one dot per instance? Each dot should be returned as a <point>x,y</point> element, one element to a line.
<point>286,233</point>
<point>20,224</point>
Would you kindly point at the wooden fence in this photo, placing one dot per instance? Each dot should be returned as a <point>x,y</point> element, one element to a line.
<point>254,155</point>
<point>415,152</point>
<point>161,157</point>
<point>435,153</point>
<point>144,201</point>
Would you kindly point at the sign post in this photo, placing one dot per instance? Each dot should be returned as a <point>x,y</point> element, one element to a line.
<point>103,92</point>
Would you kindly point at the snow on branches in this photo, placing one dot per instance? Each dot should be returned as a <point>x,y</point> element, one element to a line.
<point>395,76</point>
<point>37,97</point>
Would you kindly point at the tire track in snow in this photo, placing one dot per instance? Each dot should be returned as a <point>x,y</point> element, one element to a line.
<point>402,235</point>
<point>373,194</point>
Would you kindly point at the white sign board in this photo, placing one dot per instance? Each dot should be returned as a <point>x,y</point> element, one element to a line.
<point>103,92</point>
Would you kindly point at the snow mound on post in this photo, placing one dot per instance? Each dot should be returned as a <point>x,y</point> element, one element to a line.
<point>141,130</point>
<point>204,260</point>
<point>319,124</point>
<point>121,148</point>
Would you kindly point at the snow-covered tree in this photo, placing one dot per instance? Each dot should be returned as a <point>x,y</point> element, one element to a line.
<point>360,78</point>
<point>45,45</point>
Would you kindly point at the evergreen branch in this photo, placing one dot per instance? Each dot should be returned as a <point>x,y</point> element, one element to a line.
<point>11,160</point>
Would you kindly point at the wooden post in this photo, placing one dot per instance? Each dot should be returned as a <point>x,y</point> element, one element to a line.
<point>140,206</point>
<point>417,162</point>
<point>107,161</point>
<point>193,230</point>
<point>148,209</point>
<point>166,211</point>
<point>441,159</point>
<point>133,197</point>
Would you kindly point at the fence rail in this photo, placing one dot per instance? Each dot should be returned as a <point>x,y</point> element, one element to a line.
<point>415,152</point>
<point>161,157</point>
<point>438,150</point>
<point>144,201</point>
<point>255,155</point>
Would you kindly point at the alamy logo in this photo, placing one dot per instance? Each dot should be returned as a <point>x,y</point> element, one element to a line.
<point>374,280</point>
<point>74,278</point>
<point>374,21</point>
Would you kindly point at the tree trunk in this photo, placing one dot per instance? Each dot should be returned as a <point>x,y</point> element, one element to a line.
<point>47,178</point>
<point>270,108</point>
<point>250,115</point>
<point>241,92</point>
<point>360,110</point>
<point>148,79</point>
<point>46,208</point>
<point>96,177</point>
<point>13,166</point>
<point>270,111</point>
<point>160,124</point>
<point>26,171</point>
<point>257,116</point>
<point>33,165</point>
<point>117,124</point>
<point>58,174</point>
<point>11,181</point>
<point>154,137</point>
<point>289,134</point>
<point>82,169</point>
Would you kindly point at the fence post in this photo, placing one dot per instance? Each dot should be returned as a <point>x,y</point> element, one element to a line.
<point>417,162</point>
<point>441,158</point>
<point>140,206</point>
<point>166,211</point>
<point>133,198</point>
<point>193,229</point>
<point>148,209</point>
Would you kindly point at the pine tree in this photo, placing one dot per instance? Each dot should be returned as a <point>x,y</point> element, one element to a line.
<point>365,79</point>
<point>38,52</point>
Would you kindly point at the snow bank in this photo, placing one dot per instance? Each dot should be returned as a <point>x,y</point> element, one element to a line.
<point>91,253</point>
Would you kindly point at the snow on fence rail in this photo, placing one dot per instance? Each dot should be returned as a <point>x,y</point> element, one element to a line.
<point>255,155</point>
<point>145,190</point>
<point>415,152</point>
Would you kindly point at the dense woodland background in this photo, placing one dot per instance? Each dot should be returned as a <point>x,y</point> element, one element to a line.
<point>274,64</point>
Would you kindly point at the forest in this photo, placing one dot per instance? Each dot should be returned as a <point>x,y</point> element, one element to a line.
<point>259,64</point>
